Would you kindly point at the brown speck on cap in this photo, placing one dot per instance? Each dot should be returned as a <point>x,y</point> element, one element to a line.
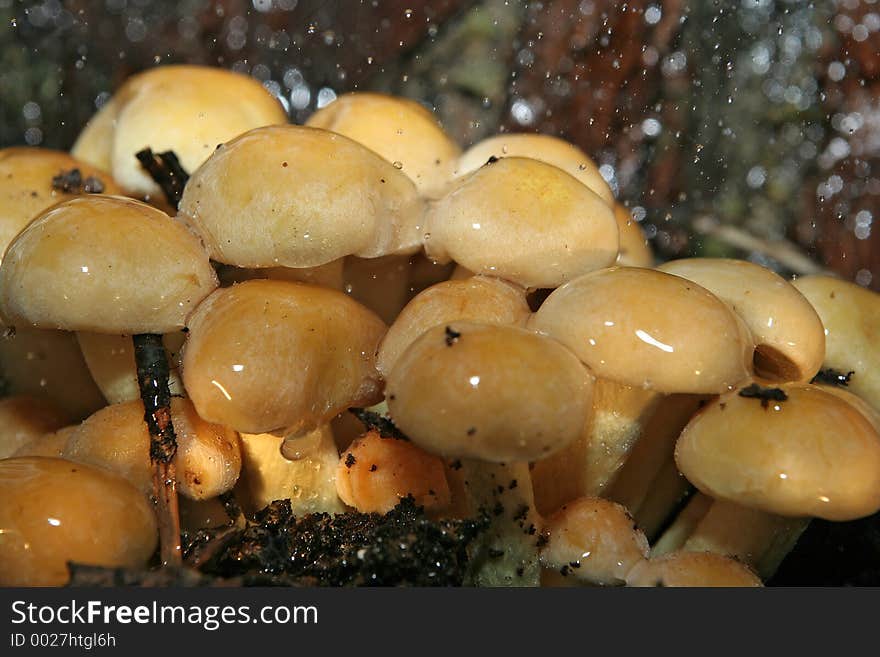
<point>452,336</point>
<point>350,460</point>
<point>766,395</point>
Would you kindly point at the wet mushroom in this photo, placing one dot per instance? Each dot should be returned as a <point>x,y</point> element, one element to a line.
<point>593,541</point>
<point>280,357</point>
<point>522,220</point>
<point>497,393</point>
<point>185,109</point>
<point>692,569</point>
<point>83,266</point>
<point>789,336</point>
<point>48,444</point>
<point>634,248</point>
<point>24,419</point>
<point>54,512</point>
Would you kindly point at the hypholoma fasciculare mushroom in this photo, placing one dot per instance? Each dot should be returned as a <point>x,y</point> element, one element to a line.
<point>851,316</point>
<point>83,266</point>
<point>692,569</point>
<point>634,328</point>
<point>55,512</point>
<point>185,109</point>
<point>24,419</point>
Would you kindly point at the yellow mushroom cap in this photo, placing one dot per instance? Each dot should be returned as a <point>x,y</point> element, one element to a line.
<point>813,454</point>
<point>497,393</point>
<point>400,130</point>
<point>54,511</point>
<point>524,221</point>
<point>24,419</point>
<point>646,328</point>
<point>106,264</point>
<point>634,248</point>
<point>692,569</point>
<point>545,148</point>
<point>593,540</point>
<point>300,197</point>
<point>26,186</point>
<point>276,356</point>
<point>477,299</point>
<point>789,336</point>
<point>851,316</point>
<point>186,109</point>
<point>208,457</point>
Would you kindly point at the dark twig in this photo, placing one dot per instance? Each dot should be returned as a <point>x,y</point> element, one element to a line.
<point>165,169</point>
<point>152,373</point>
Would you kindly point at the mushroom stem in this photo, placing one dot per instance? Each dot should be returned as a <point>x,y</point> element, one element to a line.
<point>153,372</point>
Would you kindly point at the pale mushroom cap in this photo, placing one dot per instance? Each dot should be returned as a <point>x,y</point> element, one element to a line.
<point>851,316</point>
<point>593,540</point>
<point>276,356</point>
<point>186,109</point>
<point>477,299</point>
<point>525,221</point>
<point>375,472</point>
<point>49,365</point>
<point>398,129</point>
<point>26,186</point>
<point>497,393</point>
<point>208,458</point>
<point>300,197</point>
<point>50,444</point>
<point>23,419</point>
<point>789,336</point>
<point>110,359</point>
<point>55,511</point>
<point>634,248</point>
<point>811,455</point>
<point>545,148</point>
<point>692,569</point>
<point>106,264</point>
<point>645,328</point>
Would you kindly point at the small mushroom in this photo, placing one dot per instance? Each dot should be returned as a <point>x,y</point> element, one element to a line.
<point>376,471</point>
<point>106,264</point>
<point>545,148</point>
<point>279,357</point>
<point>24,419</point>
<point>796,450</point>
<point>522,220</point>
<point>851,316</point>
<point>593,541</point>
<point>634,248</point>
<point>497,393</point>
<point>208,459</point>
<point>639,327</point>
<point>300,197</point>
<point>478,299</point>
<point>34,179</point>
<point>400,130</point>
<point>54,512</point>
<point>692,569</point>
<point>302,470</point>
<point>185,109</point>
<point>789,336</point>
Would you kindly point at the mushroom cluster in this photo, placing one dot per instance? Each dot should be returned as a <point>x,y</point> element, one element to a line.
<point>493,317</point>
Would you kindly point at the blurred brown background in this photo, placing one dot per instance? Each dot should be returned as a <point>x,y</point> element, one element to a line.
<point>747,128</point>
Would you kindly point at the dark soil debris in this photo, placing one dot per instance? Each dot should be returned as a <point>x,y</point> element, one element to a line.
<point>766,395</point>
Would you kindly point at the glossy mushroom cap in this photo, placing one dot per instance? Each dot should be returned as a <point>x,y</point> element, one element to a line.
<point>524,221</point>
<point>851,316</point>
<point>186,109</point>
<point>376,471</point>
<point>106,264</point>
<point>789,336</point>
<point>278,357</point>
<point>813,454</point>
<point>649,329</point>
<point>55,511</point>
<point>634,248</point>
<point>400,130</point>
<point>692,569</point>
<point>497,393</point>
<point>593,540</point>
<point>26,188</point>
<point>208,458</point>
<point>300,197</point>
<point>477,299</point>
<point>545,148</point>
